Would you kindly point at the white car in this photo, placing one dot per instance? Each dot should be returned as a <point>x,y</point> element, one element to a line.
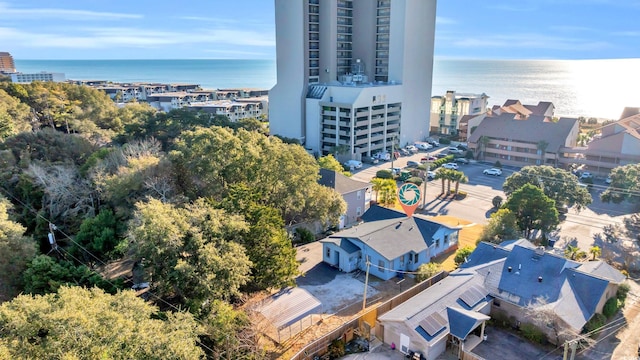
<point>412,148</point>
<point>431,175</point>
<point>395,170</point>
<point>586,175</point>
<point>492,171</point>
<point>455,150</point>
<point>452,166</point>
<point>607,180</point>
<point>353,164</point>
<point>423,146</point>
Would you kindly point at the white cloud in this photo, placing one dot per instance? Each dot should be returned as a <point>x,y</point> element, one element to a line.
<point>109,37</point>
<point>445,20</point>
<point>13,13</point>
<point>530,41</point>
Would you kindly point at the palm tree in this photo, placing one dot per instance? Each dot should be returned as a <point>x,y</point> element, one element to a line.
<point>378,185</point>
<point>441,175</point>
<point>483,141</point>
<point>459,177</point>
<point>542,147</point>
<point>595,251</point>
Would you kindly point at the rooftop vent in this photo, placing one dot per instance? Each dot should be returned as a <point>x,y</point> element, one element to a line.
<point>539,279</point>
<point>509,269</point>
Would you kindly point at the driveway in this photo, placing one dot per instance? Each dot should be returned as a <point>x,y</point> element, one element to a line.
<point>502,344</point>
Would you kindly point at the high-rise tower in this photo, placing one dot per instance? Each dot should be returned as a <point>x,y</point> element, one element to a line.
<point>6,63</point>
<point>353,74</point>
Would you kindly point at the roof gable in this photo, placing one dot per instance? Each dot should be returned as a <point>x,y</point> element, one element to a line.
<point>462,322</point>
<point>340,183</point>
<point>484,253</point>
<point>602,270</point>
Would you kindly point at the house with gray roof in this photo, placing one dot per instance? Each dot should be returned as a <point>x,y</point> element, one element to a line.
<point>390,242</point>
<point>356,194</point>
<point>524,278</point>
<point>452,312</point>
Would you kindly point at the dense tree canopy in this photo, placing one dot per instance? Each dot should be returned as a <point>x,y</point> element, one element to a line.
<point>557,184</point>
<point>17,251</point>
<point>501,226</point>
<point>625,184</point>
<point>533,210</point>
<point>78,323</point>
<point>211,160</point>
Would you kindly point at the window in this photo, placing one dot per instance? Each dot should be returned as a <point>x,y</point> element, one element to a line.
<point>437,243</point>
<point>415,258</point>
<point>446,239</point>
<point>402,261</point>
<point>496,302</point>
<point>328,253</point>
<point>381,265</point>
<point>359,194</point>
<point>358,211</point>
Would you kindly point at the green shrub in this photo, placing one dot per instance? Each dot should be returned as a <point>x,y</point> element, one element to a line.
<point>596,322</point>
<point>532,333</point>
<point>498,164</point>
<point>444,141</point>
<point>462,254</point>
<point>623,290</point>
<point>497,201</point>
<point>384,174</point>
<point>415,180</point>
<point>428,270</point>
<point>610,307</point>
<point>336,349</point>
<point>304,235</point>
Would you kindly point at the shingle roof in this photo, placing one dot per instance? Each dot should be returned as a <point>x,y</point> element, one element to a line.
<point>526,267</point>
<point>532,130</point>
<point>462,322</point>
<point>343,243</point>
<point>340,183</point>
<point>603,270</point>
<point>484,253</point>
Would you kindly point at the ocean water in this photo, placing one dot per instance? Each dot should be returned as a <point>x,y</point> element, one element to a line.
<point>592,88</point>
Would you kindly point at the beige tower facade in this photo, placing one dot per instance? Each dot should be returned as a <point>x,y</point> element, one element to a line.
<point>6,63</point>
<point>353,74</point>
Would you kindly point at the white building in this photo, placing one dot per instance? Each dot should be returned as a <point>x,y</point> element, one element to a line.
<point>353,73</point>
<point>41,76</point>
<point>447,110</point>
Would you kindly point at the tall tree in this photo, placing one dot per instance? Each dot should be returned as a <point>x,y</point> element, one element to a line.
<point>533,210</point>
<point>558,184</point>
<point>192,253</point>
<point>17,251</point>
<point>501,226</point>
<point>77,323</point>
<point>458,177</point>
<point>329,162</point>
<point>625,184</point>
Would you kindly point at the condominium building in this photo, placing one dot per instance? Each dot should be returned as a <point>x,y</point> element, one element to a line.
<point>41,76</point>
<point>353,74</point>
<point>448,110</point>
<point>7,65</point>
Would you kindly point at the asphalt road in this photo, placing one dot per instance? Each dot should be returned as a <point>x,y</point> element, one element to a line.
<point>583,229</point>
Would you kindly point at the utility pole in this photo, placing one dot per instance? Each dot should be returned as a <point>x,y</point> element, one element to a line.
<point>366,283</point>
<point>52,238</point>
<point>424,193</point>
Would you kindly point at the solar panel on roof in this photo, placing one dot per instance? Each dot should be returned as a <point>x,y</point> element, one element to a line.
<point>472,296</point>
<point>433,323</point>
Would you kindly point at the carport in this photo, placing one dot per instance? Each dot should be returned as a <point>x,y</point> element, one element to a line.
<point>461,323</point>
<point>290,311</point>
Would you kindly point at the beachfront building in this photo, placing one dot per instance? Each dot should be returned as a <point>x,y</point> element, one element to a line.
<point>234,110</point>
<point>618,144</point>
<point>521,141</point>
<point>41,76</point>
<point>447,111</point>
<point>177,99</point>
<point>353,75</point>
<point>7,65</point>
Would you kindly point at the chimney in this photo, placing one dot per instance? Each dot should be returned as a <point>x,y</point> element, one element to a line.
<point>539,279</point>
<point>509,269</point>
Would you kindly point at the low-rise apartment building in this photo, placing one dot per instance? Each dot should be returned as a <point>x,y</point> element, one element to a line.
<point>41,76</point>
<point>447,111</point>
<point>517,141</point>
<point>239,109</point>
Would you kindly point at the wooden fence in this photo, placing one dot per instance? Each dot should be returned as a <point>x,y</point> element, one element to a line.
<point>321,345</point>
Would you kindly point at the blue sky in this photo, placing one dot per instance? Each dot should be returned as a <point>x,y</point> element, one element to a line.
<point>493,29</point>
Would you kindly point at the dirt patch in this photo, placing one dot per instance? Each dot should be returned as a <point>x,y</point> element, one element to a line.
<point>469,234</point>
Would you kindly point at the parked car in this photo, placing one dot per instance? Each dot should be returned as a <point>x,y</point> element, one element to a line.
<point>370,160</point>
<point>441,155</point>
<point>462,160</point>
<point>411,163</point>
<point>411,149</point>
<point>404,152</point>
<point>493,171</point>
<point>423,146</point>
<point>607,180</point>
<point>455,150</point>
<point>463,147</point>
<point>431,175</point>
<point>433,143</point>
<point>395,170</point>
<point>384,156</point>
<point>452,166</point>
<point>353,164</point>
<point>428,158</point>
<point>586,175</point>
